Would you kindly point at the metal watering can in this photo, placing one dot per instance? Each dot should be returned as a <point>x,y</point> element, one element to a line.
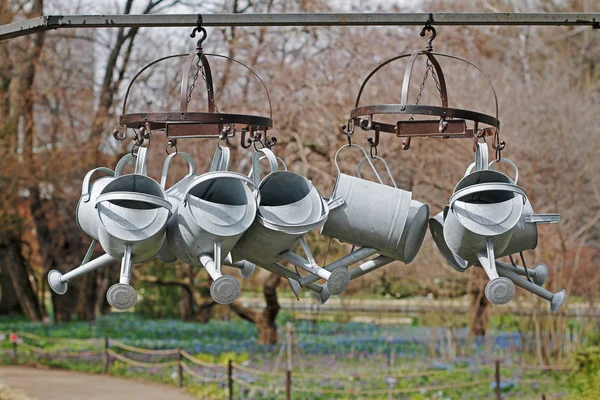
<point>133,211</point>
<point>483,211</point>
<point>515,273</point>
<point>510,237</point>
<point>525,234</point>
<point>177,191</point>
<point>217,208</point>
<point>290,207</point>
<point>408,239</point>
<point>377,216</point>
<point>128,215</point>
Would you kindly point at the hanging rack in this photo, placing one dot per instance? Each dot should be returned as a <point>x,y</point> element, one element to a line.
<point>184,124</point>
<point>451,122</point>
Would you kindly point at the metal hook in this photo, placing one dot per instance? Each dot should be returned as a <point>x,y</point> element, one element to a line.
<point>406,144</point>
<point>348,130</point>
<point>243,141</point>
<point>498,145</point>
<point>116,134</point>
<point>171,144</point>
<point>431,29</point>
<point>373,143</point>
<point>258,141</point>
<point>200,29</point>
<point>367,125</point>
<point>270,141</point>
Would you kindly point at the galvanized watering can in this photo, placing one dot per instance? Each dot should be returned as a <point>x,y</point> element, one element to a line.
<point>483,211</point>
<point>374,215</point>
<point>217,208</point>
<point>131,213</point>
<point>290,207</point>
<point>538,275</point>
<point>177,191</point>
<point>511,237</point>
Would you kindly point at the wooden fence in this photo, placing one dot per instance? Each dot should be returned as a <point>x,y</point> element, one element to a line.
<point>231,374</point>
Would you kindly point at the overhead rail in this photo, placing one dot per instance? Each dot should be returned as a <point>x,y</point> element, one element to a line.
<point>51,22</point>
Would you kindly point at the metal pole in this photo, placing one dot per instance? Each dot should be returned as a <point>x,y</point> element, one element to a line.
<point>106,355</point>
<point>288,373</point>
<point>498,393</point>
<point>230,378</point>
<point>179,367</point>
<point>49,22</point>
<point>15,357</point>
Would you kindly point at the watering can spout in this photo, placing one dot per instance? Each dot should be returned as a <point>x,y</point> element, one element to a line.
<point>122,296</point>
<point>224,289</point>
<point>322,296</point>
<point>295,286</point>
<point>555,299</point>
<point>58,281</point>
<point>246,267</point>
<point>498,290</point>
<point>337,281</point>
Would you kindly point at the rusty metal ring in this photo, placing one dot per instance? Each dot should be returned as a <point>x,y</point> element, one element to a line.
<point>171,144</point>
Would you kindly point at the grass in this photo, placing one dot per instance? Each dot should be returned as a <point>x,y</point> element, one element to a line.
<point>341,356</point>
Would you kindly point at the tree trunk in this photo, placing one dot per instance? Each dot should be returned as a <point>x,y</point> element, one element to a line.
<point>478,313</point>
<point>14,265</point>
<point>9,303</point>
<point>17,102</point>
<point>265,319</point>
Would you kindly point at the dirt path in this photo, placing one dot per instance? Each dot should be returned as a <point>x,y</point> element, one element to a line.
<point>60,385</point>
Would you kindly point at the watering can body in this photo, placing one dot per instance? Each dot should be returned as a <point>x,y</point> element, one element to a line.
<point>290,206</point>
<point>284,216</point>
<point>218,207</point>
<point>133,211</point>
<point>377,216</point>
<point>484,211</point>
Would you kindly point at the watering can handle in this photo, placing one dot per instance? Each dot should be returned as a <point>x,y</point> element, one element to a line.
<point>509,162</point>
<point>140,162</point>
<point>481,159</point>
<point>387,168</point>
<point>335,160</point>
<point>220,161</point>
<point>85,188</point>
<point>256,157</point>
<point>133,196</point>
<point>119,168</point>
<point>165,169</point>
<point>504,187</point>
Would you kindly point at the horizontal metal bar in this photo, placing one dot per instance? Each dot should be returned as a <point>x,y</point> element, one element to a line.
<point>49,22</point>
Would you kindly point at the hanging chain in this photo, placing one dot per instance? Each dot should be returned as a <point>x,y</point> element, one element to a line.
<point>199,67</point>
<point>422,87</point>
<point>193,85</point>
<point>211,95</point>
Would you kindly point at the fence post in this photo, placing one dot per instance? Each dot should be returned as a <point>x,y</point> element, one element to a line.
<point>179,367</point>
<point>498,392</point>
<point>230,378</point>
<point>288,385</point>
<point>106,355</point>
<point>14,339</point>
<point>288,373</point>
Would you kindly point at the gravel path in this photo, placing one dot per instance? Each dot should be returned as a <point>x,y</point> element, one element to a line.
<point>41,384</point>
